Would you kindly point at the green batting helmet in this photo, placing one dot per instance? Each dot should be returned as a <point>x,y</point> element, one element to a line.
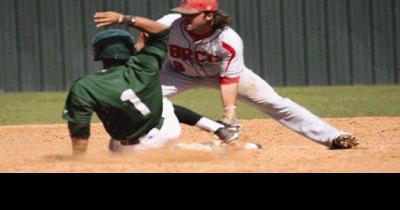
<point>113,44</point>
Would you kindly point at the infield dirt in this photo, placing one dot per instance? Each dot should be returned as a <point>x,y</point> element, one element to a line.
<point>46,148</point>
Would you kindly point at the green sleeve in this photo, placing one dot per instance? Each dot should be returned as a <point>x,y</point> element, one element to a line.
<point>159,41</point>
<point>155,51</point>
<point>80,131</point>
<point>77,109</point>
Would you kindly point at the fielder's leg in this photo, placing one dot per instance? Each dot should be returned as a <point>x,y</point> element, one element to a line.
<point>260,94</point>
<point>174,83</point>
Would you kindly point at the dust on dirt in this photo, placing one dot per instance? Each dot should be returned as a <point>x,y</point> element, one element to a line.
<point>46,148</point>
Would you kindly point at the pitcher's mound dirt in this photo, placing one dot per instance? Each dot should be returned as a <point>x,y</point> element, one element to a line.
<point>46,148</point>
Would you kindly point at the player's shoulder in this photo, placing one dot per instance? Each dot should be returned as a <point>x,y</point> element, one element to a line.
<point>229,34</point>
<point>231,37</point>
<point>170,19</point>
<point>83,81</point>
<point>229,31</point>
<point>80,83</point>
<point>89,76</point>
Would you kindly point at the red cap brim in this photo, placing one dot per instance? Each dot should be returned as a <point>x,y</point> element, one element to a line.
<point>185,10</point>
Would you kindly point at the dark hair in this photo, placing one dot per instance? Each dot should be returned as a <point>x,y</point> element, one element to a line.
<point>221,20</point>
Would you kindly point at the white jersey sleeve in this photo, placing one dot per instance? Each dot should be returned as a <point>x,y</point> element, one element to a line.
<point>232,64</point>
<point>169,19</point>
<point>165,20</point>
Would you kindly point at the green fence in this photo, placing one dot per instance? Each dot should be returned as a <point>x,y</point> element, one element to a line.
<point>45,44</point>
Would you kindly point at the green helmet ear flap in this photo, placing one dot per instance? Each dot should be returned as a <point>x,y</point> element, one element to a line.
<point>113,44</point>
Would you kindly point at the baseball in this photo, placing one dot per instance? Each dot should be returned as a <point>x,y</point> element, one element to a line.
<point>252,146</point>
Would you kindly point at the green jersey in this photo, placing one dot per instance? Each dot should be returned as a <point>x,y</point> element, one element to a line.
<point>127,98</point>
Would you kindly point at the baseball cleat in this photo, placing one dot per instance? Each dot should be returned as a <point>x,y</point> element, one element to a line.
<point>345,141</point>
<point>228,134</point>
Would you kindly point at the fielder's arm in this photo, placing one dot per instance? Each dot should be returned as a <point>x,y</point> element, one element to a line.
<point>140,42</point>
<point>229,94</point>
<point>166,20</point>
<point>232,66</point>
<point>104,19</point>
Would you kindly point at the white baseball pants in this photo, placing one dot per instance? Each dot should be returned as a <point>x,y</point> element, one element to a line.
<point>156,138</point>
<point>259,94</point>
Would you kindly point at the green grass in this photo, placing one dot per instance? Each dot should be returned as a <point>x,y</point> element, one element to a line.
<point>46,108</point>
<point>31,108</point>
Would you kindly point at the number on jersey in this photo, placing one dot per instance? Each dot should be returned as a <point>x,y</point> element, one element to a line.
<point>129,95</point>
<point>179,66</point>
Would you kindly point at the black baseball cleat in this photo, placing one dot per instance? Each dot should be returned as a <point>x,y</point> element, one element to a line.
<point>228,134</point>
<point>345,141</point>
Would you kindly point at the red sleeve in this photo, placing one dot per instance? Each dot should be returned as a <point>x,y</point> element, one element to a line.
<point>228,81</point>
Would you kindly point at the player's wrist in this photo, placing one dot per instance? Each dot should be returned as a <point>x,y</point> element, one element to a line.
<point>126,19</point>
<point>231,108</point>
<point>230,117</point>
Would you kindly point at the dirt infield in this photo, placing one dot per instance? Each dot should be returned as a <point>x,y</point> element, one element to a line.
<point>46,148</point>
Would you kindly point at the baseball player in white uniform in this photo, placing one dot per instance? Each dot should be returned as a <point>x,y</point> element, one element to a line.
<point>205,52</point>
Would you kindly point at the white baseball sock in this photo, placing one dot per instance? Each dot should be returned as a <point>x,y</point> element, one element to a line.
<point>209,125</point>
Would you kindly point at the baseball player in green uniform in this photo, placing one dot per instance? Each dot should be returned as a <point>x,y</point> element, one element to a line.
<point>126,94</point>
